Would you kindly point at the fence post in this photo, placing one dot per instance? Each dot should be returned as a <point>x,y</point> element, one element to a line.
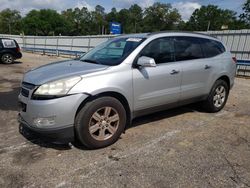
<point>89,43</point>
<point>34,44</point>
<point>72,42</point>
<point>244,46</point>
<point>23,39</point>
<point>57,42</point>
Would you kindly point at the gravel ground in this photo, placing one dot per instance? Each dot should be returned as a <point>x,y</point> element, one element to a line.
<point>183,147</point>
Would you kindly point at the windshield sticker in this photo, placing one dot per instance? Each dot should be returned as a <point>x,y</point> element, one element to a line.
<point>134,39</point>
<point>7,43</point>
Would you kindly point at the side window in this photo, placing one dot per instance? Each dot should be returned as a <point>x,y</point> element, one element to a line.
<point>212,48</point>
<point>9,43</point>
<point>162,50</point>
<point>187,48</point>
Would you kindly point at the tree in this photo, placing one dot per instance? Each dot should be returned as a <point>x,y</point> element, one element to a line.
<point>112,16</point>
<point>123,19</point>
<point>211,17</point>
<point>159,17</point>
<point>43,22</point>
<point>10,21</point>
<point>77,21</point>
<point>245,17</point>
<point>136,18</point>
<point>99,22</point>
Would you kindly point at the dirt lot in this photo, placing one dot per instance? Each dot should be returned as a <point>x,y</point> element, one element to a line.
<point>183,147</point>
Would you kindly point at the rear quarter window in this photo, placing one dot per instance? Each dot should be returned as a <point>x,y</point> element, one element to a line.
<point>212,48</point>
<point>9,43</point>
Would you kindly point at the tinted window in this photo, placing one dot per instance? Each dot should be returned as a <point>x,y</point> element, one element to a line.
<point>211,48</point>
<point>162,50</point>
<point>187,48</point>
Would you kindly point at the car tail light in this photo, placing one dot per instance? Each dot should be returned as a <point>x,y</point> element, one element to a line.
<point>18,49</point>
<point>234,59</point>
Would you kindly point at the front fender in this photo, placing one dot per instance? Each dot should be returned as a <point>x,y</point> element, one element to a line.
<point>118,82</point>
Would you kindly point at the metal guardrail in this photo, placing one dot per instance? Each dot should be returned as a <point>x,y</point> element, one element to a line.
<point>67,43</point>
<point>243,68</point>
<point>238,41</point>
<point>56,52</point>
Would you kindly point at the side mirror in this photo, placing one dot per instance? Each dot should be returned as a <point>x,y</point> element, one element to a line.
<point>146,62</point>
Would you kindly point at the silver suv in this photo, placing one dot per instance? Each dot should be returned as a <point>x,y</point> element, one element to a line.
<point>94,98</point>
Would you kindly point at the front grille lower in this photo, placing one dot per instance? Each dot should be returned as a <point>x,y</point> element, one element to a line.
<point>25,92</point>
<point>27,88</point>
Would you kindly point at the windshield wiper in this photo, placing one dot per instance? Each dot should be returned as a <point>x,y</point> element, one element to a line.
<point>90,61</point>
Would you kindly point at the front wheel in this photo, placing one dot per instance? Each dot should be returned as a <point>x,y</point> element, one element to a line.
<point>100,122</point>
<point>7,58</point>
<point>217,97</point>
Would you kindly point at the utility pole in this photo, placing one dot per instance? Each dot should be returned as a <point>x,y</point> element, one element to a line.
<point>208,25</point>
<point>9,28</point>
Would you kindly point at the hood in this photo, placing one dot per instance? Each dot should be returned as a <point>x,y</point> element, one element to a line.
<point>60,70</point>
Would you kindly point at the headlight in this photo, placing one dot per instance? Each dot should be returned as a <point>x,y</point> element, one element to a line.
<point>57,88</point>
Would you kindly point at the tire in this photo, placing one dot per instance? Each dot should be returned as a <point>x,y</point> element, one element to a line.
<point>94,129</point>
<point>217,97</point>
<point>7,58</point>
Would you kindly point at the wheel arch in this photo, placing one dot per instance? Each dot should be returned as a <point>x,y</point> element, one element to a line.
<point>113,94</point>
<point>226,79</point>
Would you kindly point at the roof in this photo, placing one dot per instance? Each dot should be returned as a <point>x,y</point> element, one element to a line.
<point>185,33</point>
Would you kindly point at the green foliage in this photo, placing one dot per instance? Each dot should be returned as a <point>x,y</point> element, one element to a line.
<point>10,22</point>
<point>245,17</point>
<point>77,21</point>
<point>213,18</point>
<point>161,17</point>
<point>158,17</point>
<point>44,22</point>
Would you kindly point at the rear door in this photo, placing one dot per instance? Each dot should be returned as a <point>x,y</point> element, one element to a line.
<point>155,86</point>
<point>195,68</point>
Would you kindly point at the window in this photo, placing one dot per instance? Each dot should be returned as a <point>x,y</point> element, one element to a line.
<point>113,51</point>
<point>161,50</point>
<point>187,48</point>
<point>212,48</point>
<point>8,43</point>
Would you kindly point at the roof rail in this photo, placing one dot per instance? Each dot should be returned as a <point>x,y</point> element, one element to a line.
<point>188,32</point>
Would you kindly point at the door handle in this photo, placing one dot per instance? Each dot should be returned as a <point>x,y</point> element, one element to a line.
<point>174,72</point>
<point>207,67</point>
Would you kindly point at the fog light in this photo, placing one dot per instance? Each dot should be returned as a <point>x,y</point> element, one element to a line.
<point>45,121</point>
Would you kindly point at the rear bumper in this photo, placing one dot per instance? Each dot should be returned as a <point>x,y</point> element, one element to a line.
<point>18,55</point>
<point>62,134</point>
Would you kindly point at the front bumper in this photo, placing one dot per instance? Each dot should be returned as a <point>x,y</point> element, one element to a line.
<point>63,134</point>
<point>63,110</point>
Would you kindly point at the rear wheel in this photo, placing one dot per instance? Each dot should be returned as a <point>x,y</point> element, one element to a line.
<point>7,58</point>
<point>217,97</point>
<point>100,122</point>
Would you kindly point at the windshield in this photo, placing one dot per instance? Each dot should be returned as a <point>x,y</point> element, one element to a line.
<point>112,52</point>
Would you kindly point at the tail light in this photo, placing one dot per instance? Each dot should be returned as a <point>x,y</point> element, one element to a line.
<point>234,59</point>
<point>18,49</point>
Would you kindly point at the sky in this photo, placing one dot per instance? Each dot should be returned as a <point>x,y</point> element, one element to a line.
<point>185,7</point>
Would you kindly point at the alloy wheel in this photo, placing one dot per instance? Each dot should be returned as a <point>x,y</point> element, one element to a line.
<point>219,96</point>
<point>104,123</point>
